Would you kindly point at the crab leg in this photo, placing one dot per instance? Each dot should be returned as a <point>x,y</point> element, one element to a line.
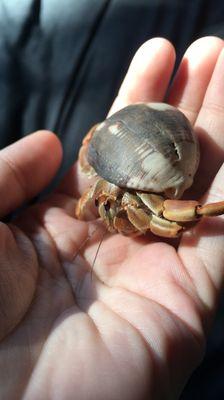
<point>169,216</point>
<point>85,208</point>
<point>151,220</point>
<point>189,210</point>
<point>159,226</point>
<point>162,227</point>
<point>211,209</point>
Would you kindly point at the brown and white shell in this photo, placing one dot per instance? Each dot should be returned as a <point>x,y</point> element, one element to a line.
<point>147,147</point>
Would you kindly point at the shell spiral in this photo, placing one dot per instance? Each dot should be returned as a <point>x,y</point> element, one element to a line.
<point>147,147</point>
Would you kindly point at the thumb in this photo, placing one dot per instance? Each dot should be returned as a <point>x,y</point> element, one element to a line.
<point>26,167</point>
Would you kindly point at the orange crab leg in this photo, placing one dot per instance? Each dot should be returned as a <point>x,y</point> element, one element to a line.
<point>212,209</point>
<point>162,227</point>
<point>123,225</point>
<point>190,210</point>
<point>85,207</point>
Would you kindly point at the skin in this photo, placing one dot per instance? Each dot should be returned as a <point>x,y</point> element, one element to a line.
<point>136,327</point>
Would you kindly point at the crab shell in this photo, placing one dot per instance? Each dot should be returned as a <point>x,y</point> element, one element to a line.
<point>147,147</point>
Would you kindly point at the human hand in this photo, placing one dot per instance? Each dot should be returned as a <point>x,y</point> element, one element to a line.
<point>137,328</point>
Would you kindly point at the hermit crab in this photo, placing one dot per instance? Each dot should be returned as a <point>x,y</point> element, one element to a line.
<point>143,157</point>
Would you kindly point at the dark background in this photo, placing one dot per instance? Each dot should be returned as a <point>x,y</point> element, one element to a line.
<point>61,64</point>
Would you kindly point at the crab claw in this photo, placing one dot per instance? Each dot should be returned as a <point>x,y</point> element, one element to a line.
<point>190,210</point>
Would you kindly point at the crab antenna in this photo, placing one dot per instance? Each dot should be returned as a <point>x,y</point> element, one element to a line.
<point>84,243</point>
<point>97,252</point>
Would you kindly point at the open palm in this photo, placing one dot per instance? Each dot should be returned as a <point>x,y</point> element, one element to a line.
<point>135,327</point>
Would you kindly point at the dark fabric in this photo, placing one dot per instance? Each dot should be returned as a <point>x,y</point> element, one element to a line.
<point>61,64</point>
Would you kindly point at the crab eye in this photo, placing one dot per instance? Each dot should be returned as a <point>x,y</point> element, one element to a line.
<point>107,206</point>
<point>96,202</point>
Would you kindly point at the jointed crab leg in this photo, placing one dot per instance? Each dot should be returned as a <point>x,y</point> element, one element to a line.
<point>180,210</point>
<point>149,218</point>
<point>137,213</point>
<point>189,210</point>
<point>168,217</point>
<point>211,209</point>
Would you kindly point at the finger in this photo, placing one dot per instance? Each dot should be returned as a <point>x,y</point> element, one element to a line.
<point>193,76</point>
<point>202,250</point>
<point>209,126</point>
<point>148,75</point>
<point>26,167</point>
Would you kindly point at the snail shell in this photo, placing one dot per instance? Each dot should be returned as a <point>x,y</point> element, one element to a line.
<point>148,147</point>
